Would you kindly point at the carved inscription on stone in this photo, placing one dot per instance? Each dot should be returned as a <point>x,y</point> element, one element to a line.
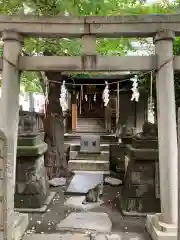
<point>94,143</point>
<point>90,144</point>
<point>86,143</point>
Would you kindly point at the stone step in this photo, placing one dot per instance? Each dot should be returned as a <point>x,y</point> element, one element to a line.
<point>104,172</point>
<point>88,165</point>
<point>76,147</point>
<point>103,138</point>
<point>92,121</point>
<point>96,125</point>
<point>89,130</point>
<point>86,125</point>
<point>90,125</point>
<point>89,133</point>
<point>103,156</point>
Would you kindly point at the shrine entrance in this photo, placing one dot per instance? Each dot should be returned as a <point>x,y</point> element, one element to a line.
<point>91,113</point>
<point>92,104</point>
<point>163,28</point>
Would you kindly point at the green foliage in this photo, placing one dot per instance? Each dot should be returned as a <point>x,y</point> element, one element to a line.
<point>30,81</point>
<point>67,46</point>
<point>80,8</point>
<point>11,7</point>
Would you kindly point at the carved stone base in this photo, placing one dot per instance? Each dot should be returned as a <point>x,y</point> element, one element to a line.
<point>117,159</point>
<point>139,191</point>
<point>32,187</point>
<point>145,143</point>
<point>159,230</point>
<point>31,183</point>
<point>21,222</point>
<point>42,209</point>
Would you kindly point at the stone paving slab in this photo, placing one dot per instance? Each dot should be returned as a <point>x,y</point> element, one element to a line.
<point>83,182</point>
<point>107,237</point>
<point>88,221</point>
<point>128,228</point>
<point>71,236</point>
<point>57,236</point>
<point>79,236</point>
<point>76,202</point>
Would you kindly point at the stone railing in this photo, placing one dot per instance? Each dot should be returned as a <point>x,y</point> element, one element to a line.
<point>38,118</point>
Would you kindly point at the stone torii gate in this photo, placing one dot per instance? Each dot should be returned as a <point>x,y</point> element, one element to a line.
<point>163,28</point>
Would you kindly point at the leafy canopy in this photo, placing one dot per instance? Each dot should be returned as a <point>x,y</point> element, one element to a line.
<point>78,8</point>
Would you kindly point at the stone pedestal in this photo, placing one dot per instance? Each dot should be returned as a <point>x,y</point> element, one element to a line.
<point>32,189</point>
<point>127,139</point>
<point>139,192</point>
<point>117,159</point>
<point>20,224</point>
<point>160,230</point>
<point>89,156</point>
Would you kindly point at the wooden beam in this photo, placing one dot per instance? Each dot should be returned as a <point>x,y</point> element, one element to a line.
<point>90,63</point>
<point>119,26</point>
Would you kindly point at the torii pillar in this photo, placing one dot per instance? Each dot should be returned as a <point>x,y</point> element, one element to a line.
<point>9,118</point>
<point>164,225</point>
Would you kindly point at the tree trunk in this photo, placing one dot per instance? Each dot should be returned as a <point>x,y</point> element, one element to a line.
<point>55,160</point>
<point>155,101</point>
